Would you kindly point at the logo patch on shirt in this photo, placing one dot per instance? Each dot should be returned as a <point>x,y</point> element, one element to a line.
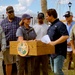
<point>55,26</point>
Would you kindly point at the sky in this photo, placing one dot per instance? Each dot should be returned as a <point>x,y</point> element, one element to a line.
<point>34,6</point>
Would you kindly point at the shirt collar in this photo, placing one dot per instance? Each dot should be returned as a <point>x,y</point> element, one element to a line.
<point>55,21</point>
<point>9,21</point>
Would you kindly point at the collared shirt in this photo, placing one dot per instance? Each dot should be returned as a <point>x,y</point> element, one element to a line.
<point>2,39</point>
<point>69,27</point>
<point>10,29</point>
<point>55,31</point>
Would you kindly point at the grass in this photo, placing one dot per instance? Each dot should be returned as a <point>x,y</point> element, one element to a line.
<point>70,72</point>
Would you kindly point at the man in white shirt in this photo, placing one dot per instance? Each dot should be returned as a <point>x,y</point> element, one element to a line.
<point>41,30</point>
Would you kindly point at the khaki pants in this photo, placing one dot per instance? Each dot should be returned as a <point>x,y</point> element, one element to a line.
<point>67,63</point>
<point>68,60</point>
<point>8,58</point>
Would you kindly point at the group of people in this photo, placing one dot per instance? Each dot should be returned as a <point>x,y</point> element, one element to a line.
<point>13,28</point>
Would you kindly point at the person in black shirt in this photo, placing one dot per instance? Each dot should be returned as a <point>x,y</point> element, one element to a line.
<point>58,35</point>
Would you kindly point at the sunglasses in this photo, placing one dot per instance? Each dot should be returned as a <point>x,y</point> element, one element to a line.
<point>67,16</point>
<point>11,12</point>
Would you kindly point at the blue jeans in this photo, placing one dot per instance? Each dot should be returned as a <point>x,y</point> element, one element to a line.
<point>57,64</point>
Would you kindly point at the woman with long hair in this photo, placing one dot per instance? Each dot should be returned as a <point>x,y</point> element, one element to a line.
<point>25,33</point>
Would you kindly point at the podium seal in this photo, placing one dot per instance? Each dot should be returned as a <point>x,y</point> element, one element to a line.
<point>22,49</point>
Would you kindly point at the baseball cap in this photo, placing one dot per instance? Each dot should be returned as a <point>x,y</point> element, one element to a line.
<point>68,14</point>
<point>26,16</point>
<point>40,16</point>
<point>9,9</point>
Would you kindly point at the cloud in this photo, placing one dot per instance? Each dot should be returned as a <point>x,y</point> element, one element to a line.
<point>63,1</point>
<point>2,9</point>
<point>25,2</point>
<point>19,8</point>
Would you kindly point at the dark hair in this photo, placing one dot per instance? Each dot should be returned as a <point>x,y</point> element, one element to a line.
<point>52,12</point>
<point>40,15</point>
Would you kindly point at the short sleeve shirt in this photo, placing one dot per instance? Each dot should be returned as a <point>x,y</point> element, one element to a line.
<point>19,32</point>
<point>27,34</point>
<point>69,27</point>
<point>55,31</point>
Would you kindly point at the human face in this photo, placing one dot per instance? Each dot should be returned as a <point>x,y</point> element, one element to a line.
<point>48,18</point>
<point>27,21</point>
<point>11,15</point>
<point>69,19</point>
<point>40,21</point>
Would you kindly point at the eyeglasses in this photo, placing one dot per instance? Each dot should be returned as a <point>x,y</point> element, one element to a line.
<point>11,12</point>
